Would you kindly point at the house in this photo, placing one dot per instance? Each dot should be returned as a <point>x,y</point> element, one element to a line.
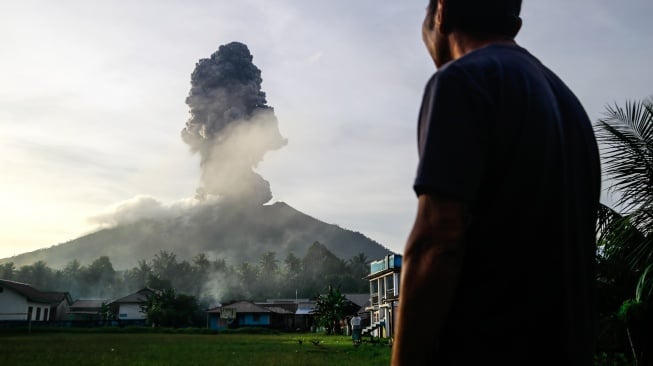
<point>304,318</point>
<point>128,310</point>
<point>302,310</point>
<point>22,302</point>
<point>86,311</point>
<point>248,314</point>
<point>384,295</point>
<point>59,304</point>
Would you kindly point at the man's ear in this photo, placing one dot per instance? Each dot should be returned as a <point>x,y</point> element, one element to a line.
<point>518,25</point>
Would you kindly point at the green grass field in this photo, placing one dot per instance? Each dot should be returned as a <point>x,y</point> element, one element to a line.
<point>51,349</point>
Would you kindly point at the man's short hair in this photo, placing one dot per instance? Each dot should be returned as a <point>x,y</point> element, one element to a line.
<point>481,18</point>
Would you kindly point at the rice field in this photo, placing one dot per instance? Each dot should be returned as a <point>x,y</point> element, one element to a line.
<point>62,348</point>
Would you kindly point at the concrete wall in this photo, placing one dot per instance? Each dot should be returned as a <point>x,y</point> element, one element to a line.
<point>38,309</point>
<point>13,306</point>
<point>249,320</point>
<point>130,311</point>
<point>60,311</point>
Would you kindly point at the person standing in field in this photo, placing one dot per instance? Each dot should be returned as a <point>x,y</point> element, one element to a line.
<point>356,328</point>
<point>499,266</point>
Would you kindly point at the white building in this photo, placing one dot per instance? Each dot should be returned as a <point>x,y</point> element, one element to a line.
<point>22,302</point>
<point>128,309</point>
<point>384,295</point>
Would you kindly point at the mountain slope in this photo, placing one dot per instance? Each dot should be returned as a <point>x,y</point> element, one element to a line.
<point>231,232</point>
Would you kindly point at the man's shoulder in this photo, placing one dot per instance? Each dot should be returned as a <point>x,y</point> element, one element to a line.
<point>493,58</point>
<point>483,62</point>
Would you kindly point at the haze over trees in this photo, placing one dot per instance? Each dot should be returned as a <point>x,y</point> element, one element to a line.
<point>210,280</point>
<point>232,232</point>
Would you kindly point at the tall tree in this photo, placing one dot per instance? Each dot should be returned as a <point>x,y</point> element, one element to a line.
<point>169,309</point>
<point>332,307</point>
<point>626,135</point>
<point>625,249</point>
<point>269,263</point>
<point>292,265</point>
<point>142,273</point>
<point>164,264</point>
<point>41,275</point>
<point>248,278</point>
<point>7,271</point>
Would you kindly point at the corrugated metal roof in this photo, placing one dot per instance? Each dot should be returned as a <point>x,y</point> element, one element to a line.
<point>305,308</point>
<point>361,300</point>
<point>137,297</point>
<point>247,307</point>
<point>87,304</point>
<point>278,310</point>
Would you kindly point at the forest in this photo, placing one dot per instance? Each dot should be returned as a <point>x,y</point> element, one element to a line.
<point>209,280</point>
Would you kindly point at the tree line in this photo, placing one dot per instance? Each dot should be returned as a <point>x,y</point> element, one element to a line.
<point>208,280</point>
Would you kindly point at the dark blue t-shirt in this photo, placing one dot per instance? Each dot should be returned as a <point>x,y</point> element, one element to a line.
<point>502,133</point>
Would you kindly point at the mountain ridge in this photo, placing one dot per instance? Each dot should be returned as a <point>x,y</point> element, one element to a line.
<point>228,231</point>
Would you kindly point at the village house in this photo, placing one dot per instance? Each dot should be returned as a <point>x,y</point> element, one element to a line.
<point>128,310</point>
<point>86,311</point>
<point>384,295</point>
<point>22,302</point>
<point>248,314</point>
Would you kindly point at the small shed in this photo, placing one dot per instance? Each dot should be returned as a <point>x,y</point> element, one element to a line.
<point>86,310</point>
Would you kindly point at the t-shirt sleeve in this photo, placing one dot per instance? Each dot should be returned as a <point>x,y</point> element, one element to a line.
<point>452,137</point>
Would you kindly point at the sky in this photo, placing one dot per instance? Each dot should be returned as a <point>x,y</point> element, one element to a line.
<point>92,101</point>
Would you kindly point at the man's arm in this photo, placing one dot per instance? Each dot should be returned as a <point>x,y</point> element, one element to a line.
<point>430,270</point>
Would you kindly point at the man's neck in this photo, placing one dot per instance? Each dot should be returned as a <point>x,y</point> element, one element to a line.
<point>462,44</point>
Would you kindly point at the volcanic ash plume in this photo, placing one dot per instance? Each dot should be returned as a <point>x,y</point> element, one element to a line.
<point>230,125</point>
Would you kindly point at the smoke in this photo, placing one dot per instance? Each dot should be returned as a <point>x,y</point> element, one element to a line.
<point>231,126</point>
<point>141,207</point>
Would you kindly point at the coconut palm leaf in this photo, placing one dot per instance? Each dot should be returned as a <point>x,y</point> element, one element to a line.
<point>626,137</point>
<point>619,238</point>
<point>644,288</point>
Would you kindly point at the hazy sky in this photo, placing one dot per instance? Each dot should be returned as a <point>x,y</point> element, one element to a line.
<point>92,100</point>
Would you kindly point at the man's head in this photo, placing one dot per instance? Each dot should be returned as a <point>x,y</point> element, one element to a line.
<point>478,19</point>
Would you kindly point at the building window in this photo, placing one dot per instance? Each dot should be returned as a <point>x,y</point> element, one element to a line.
<point>374,292</point>
<point>256,317</point>
<point>390,286</point>
<point>45,314</point>
<point>398,280</point>
<point>1,289</point>
<point>38,313</point>
<point>29,313</point>
<point>374,287</point>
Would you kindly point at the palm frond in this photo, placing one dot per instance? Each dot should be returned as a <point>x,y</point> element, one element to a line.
<point>626,137</point>
<point>644,288</point>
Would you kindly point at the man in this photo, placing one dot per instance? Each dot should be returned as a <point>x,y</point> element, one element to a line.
<point>499,266</point>
<point>356,329</point>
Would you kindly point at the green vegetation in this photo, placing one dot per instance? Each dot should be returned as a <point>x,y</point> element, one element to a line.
<point>209,280</point>
<point>330,308</point>
<point>187,349</point>
<point>625,246</point>
<point>169,309</point>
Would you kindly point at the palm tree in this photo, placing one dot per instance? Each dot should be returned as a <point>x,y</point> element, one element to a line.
<point>625,238</point>
<point>626,137</point>
<point>269,263</point>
